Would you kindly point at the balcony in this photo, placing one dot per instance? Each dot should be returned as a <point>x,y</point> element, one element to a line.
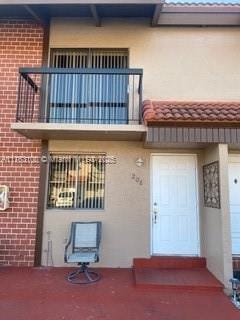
<point>92,104</point>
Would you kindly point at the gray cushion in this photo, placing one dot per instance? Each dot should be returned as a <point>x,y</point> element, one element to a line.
<point>82,257</point>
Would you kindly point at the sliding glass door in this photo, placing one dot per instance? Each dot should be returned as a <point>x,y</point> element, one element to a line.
<point>97,98</point>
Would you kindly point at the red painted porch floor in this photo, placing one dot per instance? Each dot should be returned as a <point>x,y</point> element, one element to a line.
<point>44,294</point>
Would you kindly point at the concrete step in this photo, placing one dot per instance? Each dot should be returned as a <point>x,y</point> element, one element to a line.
<point>188,273</point>
<point>170,262</point>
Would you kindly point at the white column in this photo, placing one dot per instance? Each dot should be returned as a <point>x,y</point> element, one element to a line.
<point>216,231</point>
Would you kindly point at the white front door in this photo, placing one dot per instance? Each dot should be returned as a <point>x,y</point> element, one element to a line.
<point>234,195</point>
<point>174,205</point>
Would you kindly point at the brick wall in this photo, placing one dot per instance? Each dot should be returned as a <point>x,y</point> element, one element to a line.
<point>20,45</point>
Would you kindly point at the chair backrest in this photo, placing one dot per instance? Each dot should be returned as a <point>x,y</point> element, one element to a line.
<point>86,235</point>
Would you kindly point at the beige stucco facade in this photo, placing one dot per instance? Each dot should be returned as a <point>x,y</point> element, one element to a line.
<point>178,63</point>
<point>127,214</point>
<point>126,217</point>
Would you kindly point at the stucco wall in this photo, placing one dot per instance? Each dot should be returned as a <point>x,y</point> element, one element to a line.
<point>178,63</point>
<point>216,234</point>
<point>126,217</point>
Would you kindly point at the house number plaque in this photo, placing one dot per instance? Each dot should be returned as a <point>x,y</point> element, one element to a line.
<point>137,179</point>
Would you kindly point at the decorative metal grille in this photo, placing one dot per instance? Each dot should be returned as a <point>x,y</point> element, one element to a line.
<point>90,58</point>
<point>211,185</point>
<point>76,181</point>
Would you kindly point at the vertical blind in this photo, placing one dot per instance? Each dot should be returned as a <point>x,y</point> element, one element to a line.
<point>76,181</point>
<point>85,98</point>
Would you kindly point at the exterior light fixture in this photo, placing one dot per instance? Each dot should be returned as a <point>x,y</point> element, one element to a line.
<point>139,162</point>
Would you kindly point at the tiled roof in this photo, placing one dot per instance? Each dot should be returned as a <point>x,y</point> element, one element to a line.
<point>202,3</point>
<point>173,112</point>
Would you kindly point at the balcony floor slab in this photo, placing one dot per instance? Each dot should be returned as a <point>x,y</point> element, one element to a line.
<point>67,131</point>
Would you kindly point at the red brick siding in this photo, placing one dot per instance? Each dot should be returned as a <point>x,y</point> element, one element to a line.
<point>20,45</point>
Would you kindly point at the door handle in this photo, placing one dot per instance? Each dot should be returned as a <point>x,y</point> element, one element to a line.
<point>155,217</point>
<point>155,212</point>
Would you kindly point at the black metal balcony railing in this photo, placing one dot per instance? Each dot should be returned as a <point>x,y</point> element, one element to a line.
<point>87,96</point>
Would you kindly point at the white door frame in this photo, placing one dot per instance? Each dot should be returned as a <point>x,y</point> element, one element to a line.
<point>232,158</point>
<point>197,195</point>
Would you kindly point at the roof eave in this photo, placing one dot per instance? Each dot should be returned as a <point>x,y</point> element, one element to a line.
<point>159,12</point>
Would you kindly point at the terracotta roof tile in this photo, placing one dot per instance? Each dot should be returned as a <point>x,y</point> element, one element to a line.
<point>202,4</point>
<point>191,112</point>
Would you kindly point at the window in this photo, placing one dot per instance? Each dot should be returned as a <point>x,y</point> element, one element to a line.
<point>83,98</point>
<point>89,58</point>
<point>76,181</point>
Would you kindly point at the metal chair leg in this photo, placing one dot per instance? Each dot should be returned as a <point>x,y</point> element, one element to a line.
<point>90,276</point>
